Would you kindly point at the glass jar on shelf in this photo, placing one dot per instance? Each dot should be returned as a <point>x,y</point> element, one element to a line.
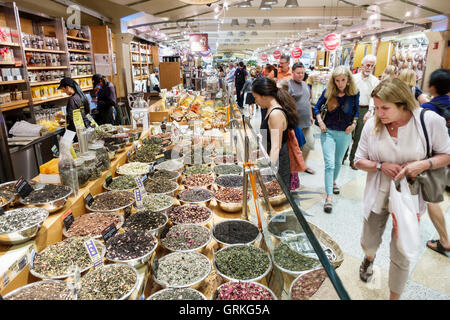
<point>101,153</point>
<point>82,172</point>
<point>90,163</point>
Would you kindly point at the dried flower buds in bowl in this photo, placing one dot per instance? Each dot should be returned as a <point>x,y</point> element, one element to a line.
<point>190,214</point>
<point>229,199</point>
<point>198,181</point>
<point>307,284</point>
<point>239,290</point>
<point>186,237</point>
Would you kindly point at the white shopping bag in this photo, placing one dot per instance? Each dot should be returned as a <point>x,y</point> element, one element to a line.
<point>404,208</point>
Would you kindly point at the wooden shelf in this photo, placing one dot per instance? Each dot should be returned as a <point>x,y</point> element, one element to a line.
<point>15,105</point>
<point>8,63</point>
<point>44,50</point>
<point>81,62</point>
<point>137,52</point>
<point>79,51</point>
<point>86,88</point>
<point>85,76</point>
<point>43,83</point>
<point>77,38</point>
<point>52,98</point>
<point>10,44</point>
<point>138,63</point>
<point>47,68</point>
<point>12,82</point>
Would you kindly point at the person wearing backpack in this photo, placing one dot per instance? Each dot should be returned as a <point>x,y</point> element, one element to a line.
<point>439,88</point>
<point>239,80</point>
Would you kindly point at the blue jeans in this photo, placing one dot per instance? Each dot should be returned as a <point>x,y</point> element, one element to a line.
<point>334,145</point>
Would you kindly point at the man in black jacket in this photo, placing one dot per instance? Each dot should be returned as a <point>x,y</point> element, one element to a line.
<point>240,76</point>
<point>106,99</point>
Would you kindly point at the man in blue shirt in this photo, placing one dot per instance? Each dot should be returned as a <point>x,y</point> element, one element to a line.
<point>439,88</point>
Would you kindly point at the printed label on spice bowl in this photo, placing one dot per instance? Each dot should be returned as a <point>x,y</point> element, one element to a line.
<point>161,159</point>
<point>23,188</point>
<point>93,253</point>
<point>109,232</point>
<point>140,184</point>
<point>138,196</point>
<point>68,219</point>
<point>108,179</point>
<point>89,199</point>
<point>144,140</point>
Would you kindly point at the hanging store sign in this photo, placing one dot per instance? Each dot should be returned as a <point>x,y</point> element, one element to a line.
<point>198,42</point>
<point>296,53</point>
<point>264,57</point>
<point>277,54</point>
<point>331,41</point>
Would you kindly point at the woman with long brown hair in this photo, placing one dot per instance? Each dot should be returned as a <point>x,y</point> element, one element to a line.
<point>281,116</point>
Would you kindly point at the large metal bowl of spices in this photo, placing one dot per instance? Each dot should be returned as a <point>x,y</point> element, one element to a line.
<point>306,284</point>
<point>170,165</point>
<point>181,270</point>
<point>190,214</point>
<point>230,181</point>
<point>162,186</point>
<point>100,247</point>
<point>6,198</point>
<point>240,290</point>
<point>186,237</point>
<point>48,196</point>
<point>42,290</point>
<point>111,201</point>
<point>229,199</point>
<point>153,222</point>
<point>274,191</point>
<point>89,222</point>
<point>22,224</point>
<point>9,187</point>
<point>198,181</point>
<point>235,231</point>
<point>170,175</point>
<point>284,224</point>
<point>177,294</point>
<point>198,196</point>
<point>112,280</point>
<point>158,202</point>
<point>247,263</point>
<point>139,261</point>
<point>121,182</point>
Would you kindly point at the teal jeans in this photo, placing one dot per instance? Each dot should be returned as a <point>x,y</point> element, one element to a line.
<point>334,145</point>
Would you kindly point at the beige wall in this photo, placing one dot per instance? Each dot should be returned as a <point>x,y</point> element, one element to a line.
<point>436,58</point>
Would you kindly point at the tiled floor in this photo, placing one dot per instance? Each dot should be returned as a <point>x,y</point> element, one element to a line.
<point>429,274</point>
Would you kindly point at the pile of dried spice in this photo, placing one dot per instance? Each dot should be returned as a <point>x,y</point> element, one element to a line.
<point>107,283</point>
<point>225,159</point>
<point>160,185</point>
<point>184,237</point>
<point>57,259</point>
<point>235,231</point>
<point>292,260</point>
<point>182,268</point>
<point>228,169</point>
<point>92,224</point>
<point>242,262</point>
<point>284,223</point>
<point>112,200</point>
<point>189,213</point>
<point>43,290</point>
<point>177,294</point>
<point>123,183</point>
<point>170,165</point>
<point>273,189</point>
<point>22,218</point>
<point>308,284</point>
<point>198,180</point>
<point>145,221</point>
<point>130,245</point>
<point>237,290</point>
<point>5,197</point>
<point>133,168</point>
<point>147,153</point>
<point>49,193</point>
<point>157,202</point>
<point>165,174</point>
<point>230,195</point>
<point>230,181</point>
<point>197,169</point>
<point>195,195</point>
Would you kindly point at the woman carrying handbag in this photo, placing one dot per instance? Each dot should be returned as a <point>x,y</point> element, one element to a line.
<point>393,146</point>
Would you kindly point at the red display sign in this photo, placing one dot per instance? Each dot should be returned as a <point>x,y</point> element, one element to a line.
<point>198,42</point>
<point>331,41</point>
<point>264,57</point>
<point>296,53</point>
<point>277,54</point>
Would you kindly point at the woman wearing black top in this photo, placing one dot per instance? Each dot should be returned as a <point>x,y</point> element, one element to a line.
<point>77,100</point>
<point>281,116</point>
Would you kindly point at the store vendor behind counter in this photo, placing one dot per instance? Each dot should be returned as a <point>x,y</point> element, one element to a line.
<point>77,105</point>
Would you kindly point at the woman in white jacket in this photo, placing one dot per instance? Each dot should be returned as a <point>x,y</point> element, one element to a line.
<point>393,146</point>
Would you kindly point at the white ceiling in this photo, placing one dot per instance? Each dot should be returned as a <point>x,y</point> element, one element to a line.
<point>320,17</point>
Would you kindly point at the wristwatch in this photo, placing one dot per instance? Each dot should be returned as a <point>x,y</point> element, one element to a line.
<point>379,165</point>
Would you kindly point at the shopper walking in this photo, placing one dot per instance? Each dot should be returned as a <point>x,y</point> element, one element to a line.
<point>389,71</point>
<point>246,92</point>
<point>281,116</point>
<point>106,100</point>
<point>284,72</point>
<point>300,91</point>
<point>342,100</point>
<point>240,76</point>
<point>393,146</point>
<point>409,77</point>
<point>365,82</point>
<point>439,88</point>
<point>269,71</point>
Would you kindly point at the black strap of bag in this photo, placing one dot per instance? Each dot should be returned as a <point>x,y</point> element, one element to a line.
<point>424,128</point>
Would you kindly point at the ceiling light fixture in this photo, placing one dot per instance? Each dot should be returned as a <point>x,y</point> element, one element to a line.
<point>246,4</point>
<point>291,4</point>
<point>270,2</point>
<point>251,23</point>
<point>265,6</point>
<point>266,23</point>
<point>408,13</point>
<point>234,22</point>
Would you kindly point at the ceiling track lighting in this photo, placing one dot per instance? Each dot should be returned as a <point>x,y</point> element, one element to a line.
<point>234,22</point>
<point>291,4</point>
<point>270,2</point>
<point>265,6</point>
<point>266,23</point>
<point>246,4</point>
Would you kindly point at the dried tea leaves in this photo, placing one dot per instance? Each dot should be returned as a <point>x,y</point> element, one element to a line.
<point>189,214</point>
<point>195,195</point>
<point>92,224</point>
<point>178,294</point>
<point>112,200</point>
<point>235,231</point>
<point>130,245</point>
<point>292,260</point>
<point>145,221</point>
<point>44,290</point>
<point>184,237</point>
<point>157,202</point>
<point>22,218</point>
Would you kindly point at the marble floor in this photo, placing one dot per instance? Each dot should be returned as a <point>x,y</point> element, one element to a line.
<point>429,273</point>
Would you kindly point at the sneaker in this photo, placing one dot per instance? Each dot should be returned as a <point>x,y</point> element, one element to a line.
<point>366,270</point>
